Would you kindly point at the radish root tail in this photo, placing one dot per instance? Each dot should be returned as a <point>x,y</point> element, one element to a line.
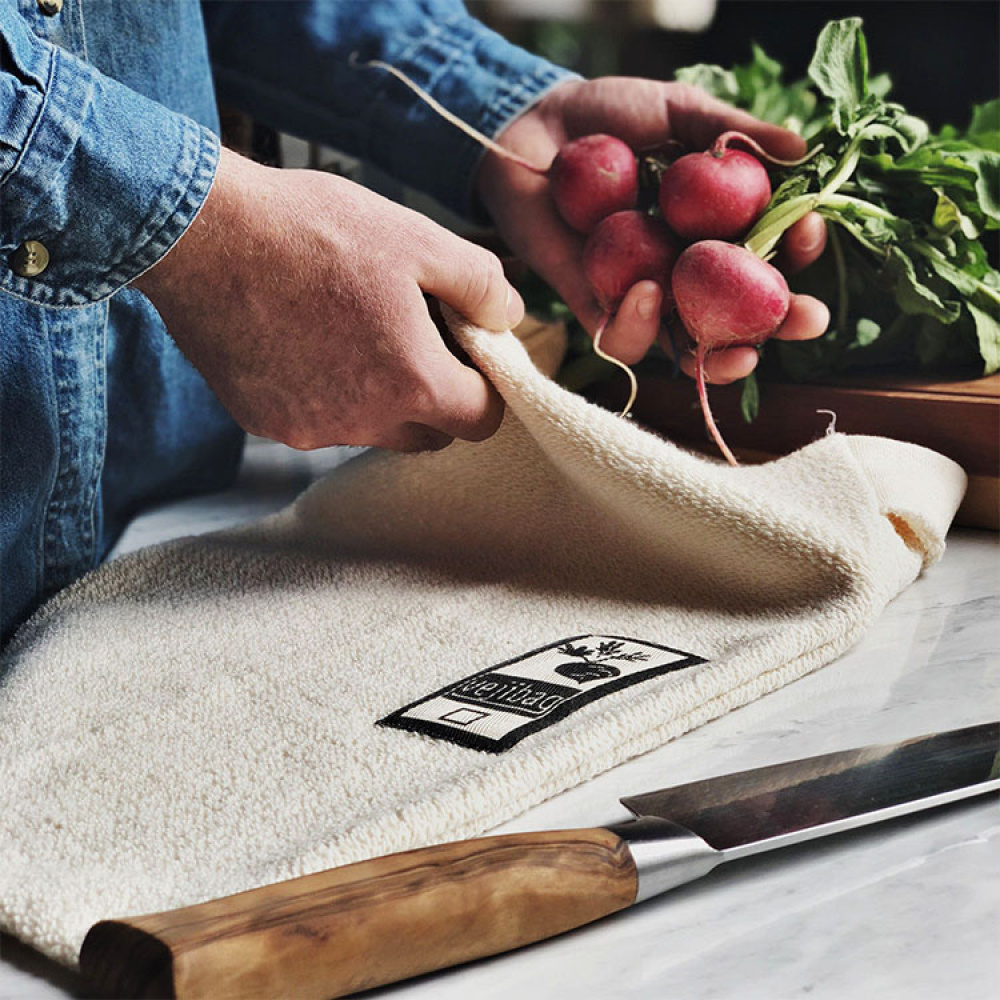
<point>356,63</point>
<point>699,374</point>
<point>831,428</point>
<point>604,356</point>
<point>720,145</point>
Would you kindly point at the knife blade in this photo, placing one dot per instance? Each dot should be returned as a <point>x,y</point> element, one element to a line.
<point>379,921</point>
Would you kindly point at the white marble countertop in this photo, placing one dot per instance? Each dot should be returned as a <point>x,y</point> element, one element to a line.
<point>907,910</point>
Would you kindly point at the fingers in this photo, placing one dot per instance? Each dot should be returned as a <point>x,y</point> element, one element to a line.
<point>447,395</point>
<point>802,243</point>
<point>461,402</point>
<point>697,119</point>
<point>426,396</point>
<point>471,280</point>
<point>724,366</point>
<point>413,437</point>
<point>644,113</point>
<point>561,264</point>
<point>453,401</point>
<point>807,319</point>
<point>636,323</point>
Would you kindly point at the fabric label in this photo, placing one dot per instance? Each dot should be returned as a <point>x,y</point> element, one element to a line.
<point>498,707</point>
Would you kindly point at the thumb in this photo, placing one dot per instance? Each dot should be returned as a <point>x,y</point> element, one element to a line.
<point>470,279</point>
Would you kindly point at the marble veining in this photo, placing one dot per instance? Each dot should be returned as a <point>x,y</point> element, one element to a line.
<point>907,910</point>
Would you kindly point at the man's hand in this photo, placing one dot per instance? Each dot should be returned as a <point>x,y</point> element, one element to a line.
<point>645,114</point>
<point>299,296</point>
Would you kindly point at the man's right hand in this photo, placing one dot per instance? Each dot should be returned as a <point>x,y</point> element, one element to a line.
<point>299,296</point>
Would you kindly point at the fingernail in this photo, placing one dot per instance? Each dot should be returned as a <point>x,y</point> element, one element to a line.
<point>514,308</point>
<point>815,234</point>
<point>810,243</point>
<point>647,307</point>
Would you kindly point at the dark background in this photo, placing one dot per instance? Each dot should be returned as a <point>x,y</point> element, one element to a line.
<point>942,55</point>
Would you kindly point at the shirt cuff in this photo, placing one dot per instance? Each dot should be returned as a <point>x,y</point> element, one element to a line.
<point>104,178</point>
<point>477,75</point>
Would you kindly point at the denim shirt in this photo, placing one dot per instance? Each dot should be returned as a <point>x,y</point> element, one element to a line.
<point>108,148</point>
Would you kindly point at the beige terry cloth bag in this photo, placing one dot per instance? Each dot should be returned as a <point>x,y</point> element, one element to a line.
<point>423,646</point>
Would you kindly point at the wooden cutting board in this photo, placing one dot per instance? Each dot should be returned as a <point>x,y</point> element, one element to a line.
<point>960,419</point>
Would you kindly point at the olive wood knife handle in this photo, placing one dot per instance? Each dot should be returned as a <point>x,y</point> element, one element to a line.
<point>367,924</point>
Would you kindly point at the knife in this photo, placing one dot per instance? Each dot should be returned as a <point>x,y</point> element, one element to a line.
<point>379,921</point>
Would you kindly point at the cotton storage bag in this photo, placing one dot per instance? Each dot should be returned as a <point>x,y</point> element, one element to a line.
<point>423,646</point>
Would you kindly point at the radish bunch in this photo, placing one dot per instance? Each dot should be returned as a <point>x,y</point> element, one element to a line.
<point>725,295</point>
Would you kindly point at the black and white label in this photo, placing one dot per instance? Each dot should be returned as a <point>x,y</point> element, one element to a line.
<point>497,707</point>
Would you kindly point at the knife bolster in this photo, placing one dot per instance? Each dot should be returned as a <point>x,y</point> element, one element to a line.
<point>666,854</point>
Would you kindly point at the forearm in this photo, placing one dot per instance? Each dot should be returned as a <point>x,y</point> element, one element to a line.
<point>289,65</point>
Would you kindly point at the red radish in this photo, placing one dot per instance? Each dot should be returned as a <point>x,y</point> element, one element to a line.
<point>726,296</point>
<point>714,195</point>
<point>625,248</point>
<point>721,193</point>
<point>591,178</point>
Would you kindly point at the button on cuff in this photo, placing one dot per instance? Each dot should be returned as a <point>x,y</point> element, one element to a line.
<point>50,7</point>
<point>29,259</point>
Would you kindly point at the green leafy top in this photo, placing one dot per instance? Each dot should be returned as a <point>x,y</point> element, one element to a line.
<point>839,68</point>
<point>908,278</point>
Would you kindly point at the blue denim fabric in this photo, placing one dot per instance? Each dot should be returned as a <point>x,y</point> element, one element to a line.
<point>473,72</point>
<point>108,148</point>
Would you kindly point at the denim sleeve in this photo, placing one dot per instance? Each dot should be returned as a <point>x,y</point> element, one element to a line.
<point>289,65</point>
<point>104,178</point>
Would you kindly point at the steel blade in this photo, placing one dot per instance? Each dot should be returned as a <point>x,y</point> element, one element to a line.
<point>769,807</point>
